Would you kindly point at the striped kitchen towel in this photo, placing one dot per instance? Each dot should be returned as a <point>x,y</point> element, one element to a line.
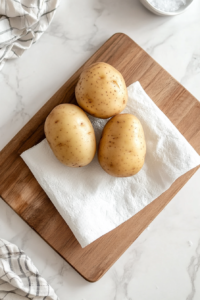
<point>22,22</point>
<point>19,278</point>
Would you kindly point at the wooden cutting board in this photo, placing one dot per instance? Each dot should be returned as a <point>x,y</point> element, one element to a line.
<point>23,194</point>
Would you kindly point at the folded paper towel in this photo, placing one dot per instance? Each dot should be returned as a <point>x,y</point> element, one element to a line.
<point>21,24</point>
<point>93,202</point>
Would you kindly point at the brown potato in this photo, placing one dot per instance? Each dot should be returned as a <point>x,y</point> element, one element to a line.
<point>70,135</point>
<point>122,147</point>
<point>101,91</point>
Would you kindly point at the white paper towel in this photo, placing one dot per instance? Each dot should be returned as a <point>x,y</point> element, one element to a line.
<point>93,202</point>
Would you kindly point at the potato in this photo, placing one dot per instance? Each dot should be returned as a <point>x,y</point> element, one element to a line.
<point>70,135</point>
<point>122,147</point>
<point>101,91</point>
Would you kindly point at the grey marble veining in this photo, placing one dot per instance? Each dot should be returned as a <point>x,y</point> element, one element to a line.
<point>193,269</point>
<point>164,262</point>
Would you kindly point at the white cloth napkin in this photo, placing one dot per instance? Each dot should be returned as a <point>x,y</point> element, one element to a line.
<point>93,202</point>
<point>22,22</point>
<point>19,278</point>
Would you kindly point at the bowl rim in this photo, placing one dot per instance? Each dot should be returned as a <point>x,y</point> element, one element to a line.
<point>165,13</point>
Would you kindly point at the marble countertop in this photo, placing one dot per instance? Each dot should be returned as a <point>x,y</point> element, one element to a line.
<point>164,262</point>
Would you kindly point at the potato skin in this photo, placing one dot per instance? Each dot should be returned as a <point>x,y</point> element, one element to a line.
<point>122,147</point>
<point>101,91</point>
<point>70,135</point>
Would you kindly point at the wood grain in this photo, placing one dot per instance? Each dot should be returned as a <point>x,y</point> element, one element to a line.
<point>21,191</point>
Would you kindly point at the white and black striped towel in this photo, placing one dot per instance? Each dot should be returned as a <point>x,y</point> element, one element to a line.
<point>22,22</point>
<point>19,278</point>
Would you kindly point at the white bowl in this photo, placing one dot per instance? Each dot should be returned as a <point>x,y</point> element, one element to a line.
<point>165,13</point>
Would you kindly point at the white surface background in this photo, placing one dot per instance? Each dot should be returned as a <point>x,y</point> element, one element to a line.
<point>164,262</point>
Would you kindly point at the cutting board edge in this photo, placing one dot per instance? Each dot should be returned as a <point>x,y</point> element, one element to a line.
<point>116,34</point>
<point>48,242</point>
<point>96,278</point>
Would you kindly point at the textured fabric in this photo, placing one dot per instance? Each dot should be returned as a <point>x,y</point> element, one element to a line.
<point>93,202</point>
<point>22,24</point>
<point>19,278</point>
